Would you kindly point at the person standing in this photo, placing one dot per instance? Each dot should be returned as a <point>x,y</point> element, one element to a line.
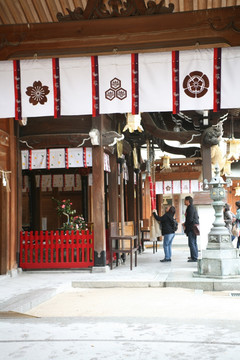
<point>238,221</point>
<point>191,218</point>
<point>228,218</point>
<point>168,232</point>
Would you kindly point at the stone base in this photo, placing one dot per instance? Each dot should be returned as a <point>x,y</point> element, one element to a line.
<point>210,276</point>
<point>100,269</point>
<point>219,264</point>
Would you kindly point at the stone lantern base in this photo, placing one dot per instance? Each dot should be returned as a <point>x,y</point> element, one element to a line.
<point>220,264</point>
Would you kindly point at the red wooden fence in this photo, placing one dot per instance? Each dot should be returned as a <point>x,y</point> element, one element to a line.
<point>54,250</point>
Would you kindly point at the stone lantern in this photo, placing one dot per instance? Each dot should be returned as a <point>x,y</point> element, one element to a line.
<point>220,259</point>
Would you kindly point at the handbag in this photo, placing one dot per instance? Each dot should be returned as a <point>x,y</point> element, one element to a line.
<point>235,230</point>
<point>175,225</point>
<point>196,229</point>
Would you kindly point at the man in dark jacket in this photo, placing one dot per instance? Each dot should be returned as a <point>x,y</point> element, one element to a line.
<point>191,219</point>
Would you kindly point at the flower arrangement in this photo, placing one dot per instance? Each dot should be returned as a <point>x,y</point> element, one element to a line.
<point>77,222</point>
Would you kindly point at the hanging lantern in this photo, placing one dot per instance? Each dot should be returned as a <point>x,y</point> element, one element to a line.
<point>227,168</point>
<point>166,162</point>
<point>233,149</point>
<point>133,123</point>
<point>237,190</point>
<point>135,159</point>
<point>119,145</point>
<point>165,201</point>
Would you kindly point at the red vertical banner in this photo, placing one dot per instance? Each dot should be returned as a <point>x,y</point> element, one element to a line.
<point>56,87</point>
<point>48,158</point>
<point>217,79</point>
<point>135,84</point>
<point>30,160</point>
<point>154,195</point>
<point>95,86</point>
<point>17,89</point>
<point>175,81</point>
<point>66,158</point>
<point>153,204</point>
<point>85,157</point>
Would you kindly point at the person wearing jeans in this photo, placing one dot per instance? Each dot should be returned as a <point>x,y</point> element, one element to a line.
<point>192,243</point>
<point>191,219</point>
<point>168,232</point>
<point>167,245</point>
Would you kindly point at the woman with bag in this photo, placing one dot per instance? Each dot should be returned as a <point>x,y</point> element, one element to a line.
<point>168,226</point>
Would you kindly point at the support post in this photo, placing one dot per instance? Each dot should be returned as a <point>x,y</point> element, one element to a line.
<point>113,190</point>
<point>98,198</point>
<point>206,163</point>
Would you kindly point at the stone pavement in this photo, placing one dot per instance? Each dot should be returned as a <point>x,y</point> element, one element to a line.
<point>30,288</point>
<point>157,311</point>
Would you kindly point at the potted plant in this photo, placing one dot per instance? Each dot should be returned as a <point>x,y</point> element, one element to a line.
<point>77,222</point>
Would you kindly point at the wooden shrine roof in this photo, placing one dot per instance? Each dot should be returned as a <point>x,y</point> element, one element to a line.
<point>41,29</point>
<point>45,11</point>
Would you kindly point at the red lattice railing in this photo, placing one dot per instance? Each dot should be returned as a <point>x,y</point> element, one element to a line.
<point>56,250</point>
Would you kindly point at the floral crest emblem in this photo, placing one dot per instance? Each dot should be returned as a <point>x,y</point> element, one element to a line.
<point>37,93</point>
<point>196,84</point>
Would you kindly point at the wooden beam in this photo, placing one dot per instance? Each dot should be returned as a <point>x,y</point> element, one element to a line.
<point>205,28</point>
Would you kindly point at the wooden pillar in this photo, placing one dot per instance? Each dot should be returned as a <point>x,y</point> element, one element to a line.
<point>113,190</point>
<point>7,229</point>
<point>35,204</point>
<point>146,201</point>
<point>206,163</point>
<point>12,194</point>
<point>122,214</point>
<point>4,235</point>
<point>130,196</point>
<point>138,208</point>
<point>98,197</point>
<point>85,197</point>
<point>19,196</point>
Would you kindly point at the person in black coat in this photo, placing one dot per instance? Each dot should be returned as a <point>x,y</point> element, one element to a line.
<point>191,218</point>
<point>168,232</point>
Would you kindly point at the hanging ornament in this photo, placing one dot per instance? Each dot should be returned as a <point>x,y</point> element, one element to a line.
<point>5,182</point>
<point>233,149</point>
<point>135,159</point>
<point>133,123</point>
<point>119,145</point>
<point>166,162</point>
<point>227,167</point>
<point>237,190</point>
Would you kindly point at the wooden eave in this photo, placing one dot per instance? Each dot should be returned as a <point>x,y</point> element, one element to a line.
<point>181,169</point>
<point>184,30</point>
